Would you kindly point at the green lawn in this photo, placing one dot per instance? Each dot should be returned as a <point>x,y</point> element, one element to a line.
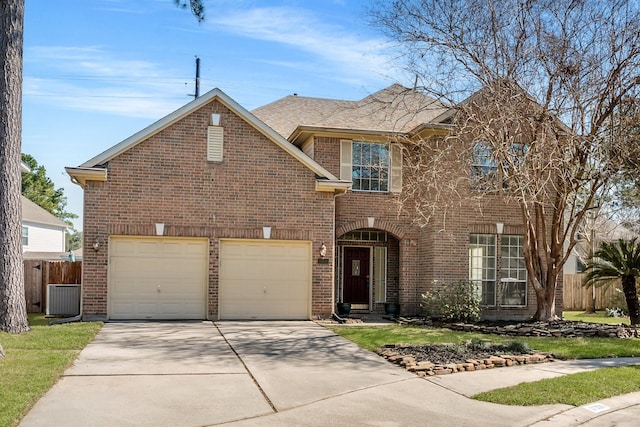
<point>373,338</point>
<point>598,317</point>
<point>576,389</point>
<point>35,360</point>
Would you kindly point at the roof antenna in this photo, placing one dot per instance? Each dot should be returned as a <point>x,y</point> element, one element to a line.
<point>197,91</point>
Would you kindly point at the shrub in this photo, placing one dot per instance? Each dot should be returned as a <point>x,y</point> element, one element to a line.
<point>452,302</point>
<point>616,312</point>
<point>518,347</point>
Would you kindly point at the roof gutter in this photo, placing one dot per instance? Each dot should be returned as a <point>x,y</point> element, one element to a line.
<point>333,186</point>
<point>81,175</point>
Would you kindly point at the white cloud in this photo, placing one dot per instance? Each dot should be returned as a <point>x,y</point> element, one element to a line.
<point>353,56</point>
<point>90,79</point>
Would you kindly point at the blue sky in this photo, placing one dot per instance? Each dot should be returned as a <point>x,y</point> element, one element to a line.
<point>97,71</point>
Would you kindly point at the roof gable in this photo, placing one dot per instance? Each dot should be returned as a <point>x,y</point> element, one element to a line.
<point>215,94</point>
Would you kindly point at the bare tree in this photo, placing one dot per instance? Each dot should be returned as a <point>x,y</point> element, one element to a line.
<point>13,307</point>
<point>538,88</point>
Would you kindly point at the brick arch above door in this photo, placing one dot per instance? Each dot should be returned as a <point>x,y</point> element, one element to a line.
<point>381,224</point>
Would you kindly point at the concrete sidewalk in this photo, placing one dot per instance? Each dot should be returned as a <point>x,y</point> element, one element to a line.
<point>282,373</point>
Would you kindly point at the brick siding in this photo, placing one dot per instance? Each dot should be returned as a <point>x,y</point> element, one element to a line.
<point>168,179</point>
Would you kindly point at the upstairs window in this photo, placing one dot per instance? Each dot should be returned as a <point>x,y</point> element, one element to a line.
<point>484,169</point>
<point>485,175</point>
<point>517,153</point>
<point>372,167</point>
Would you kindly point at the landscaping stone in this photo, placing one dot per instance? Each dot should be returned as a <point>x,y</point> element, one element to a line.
<point>560,328</point>
<point>443,359</point>
<point>450,359</point>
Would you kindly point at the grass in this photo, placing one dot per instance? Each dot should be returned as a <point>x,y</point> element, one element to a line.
<point>373,338</point>
<point>35,360</point>
<point>575,389</point>
<point>597,317</point>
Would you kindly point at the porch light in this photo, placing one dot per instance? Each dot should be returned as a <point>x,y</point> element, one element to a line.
<point>159,229</point>
<point>323,250</point>
<point>96,245</point>
<point>499,227</point>
<point>266,232</point>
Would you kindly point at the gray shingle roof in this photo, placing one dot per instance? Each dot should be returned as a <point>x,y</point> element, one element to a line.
<point>394,109</point>
<point>34,213</point>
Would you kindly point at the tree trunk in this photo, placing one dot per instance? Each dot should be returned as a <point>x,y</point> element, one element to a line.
<point>13,307</point>
<point>546,303</point>
<point>630,294</point>
<point>590,300</point>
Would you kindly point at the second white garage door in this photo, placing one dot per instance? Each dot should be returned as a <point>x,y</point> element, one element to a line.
<point>265,279</point>
<point>158,278</point>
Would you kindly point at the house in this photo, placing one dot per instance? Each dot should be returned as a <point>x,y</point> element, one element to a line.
<point>596,231</point>
<point>43,235</point>
<point>220,213</point>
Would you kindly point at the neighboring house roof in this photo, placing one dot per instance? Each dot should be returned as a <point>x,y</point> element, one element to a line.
<point>395,109</point>
<point>605,230</point>
<point>93,169</point>
<point>35,214</point>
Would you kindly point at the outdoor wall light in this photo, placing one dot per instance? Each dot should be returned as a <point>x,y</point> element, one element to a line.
<point>323,250</point>
<point>159,229</point>
<point>499,227</point>
<point>96,245</point>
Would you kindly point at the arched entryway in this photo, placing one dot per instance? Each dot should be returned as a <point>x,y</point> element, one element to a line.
<point>367,269</point>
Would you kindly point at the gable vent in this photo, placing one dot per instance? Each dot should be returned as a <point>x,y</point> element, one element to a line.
<point>214,143</point>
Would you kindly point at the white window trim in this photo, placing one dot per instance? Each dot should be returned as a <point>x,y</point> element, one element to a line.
<point>394,184</point>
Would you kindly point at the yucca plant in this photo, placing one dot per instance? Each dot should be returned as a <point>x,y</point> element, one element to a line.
<point>617,261</point>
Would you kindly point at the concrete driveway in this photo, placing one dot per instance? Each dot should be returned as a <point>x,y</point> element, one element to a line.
<point>253,373</point>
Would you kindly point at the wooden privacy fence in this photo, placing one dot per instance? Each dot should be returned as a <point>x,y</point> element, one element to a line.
<point>575,295</point>
<point>38,274</point>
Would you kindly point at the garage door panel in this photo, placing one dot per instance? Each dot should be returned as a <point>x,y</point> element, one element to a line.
<point>158,278</point>
<point>265,279</point>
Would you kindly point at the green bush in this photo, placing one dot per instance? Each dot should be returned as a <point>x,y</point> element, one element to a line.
<point>452,302</point>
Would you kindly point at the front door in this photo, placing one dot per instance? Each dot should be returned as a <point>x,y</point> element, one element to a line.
<point>356,275</point>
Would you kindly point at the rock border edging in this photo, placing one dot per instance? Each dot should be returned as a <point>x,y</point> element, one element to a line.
<point>427,368</point>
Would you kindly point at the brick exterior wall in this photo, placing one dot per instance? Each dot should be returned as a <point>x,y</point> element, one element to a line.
<point>167,179</point>
<point>436,252</point>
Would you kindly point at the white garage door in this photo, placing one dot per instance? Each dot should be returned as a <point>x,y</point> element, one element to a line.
<point>265,279</point>
<point>158,278</point>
